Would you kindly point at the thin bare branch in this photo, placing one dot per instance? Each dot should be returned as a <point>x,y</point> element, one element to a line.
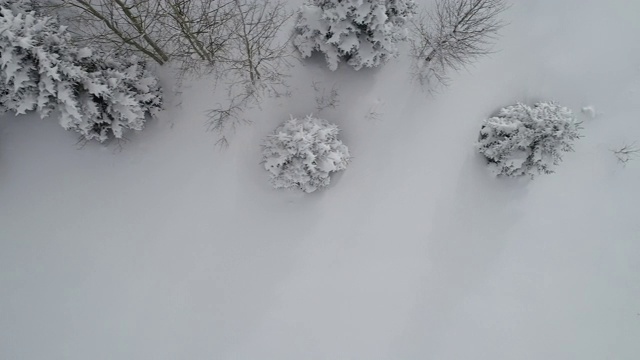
<point>626,153</point>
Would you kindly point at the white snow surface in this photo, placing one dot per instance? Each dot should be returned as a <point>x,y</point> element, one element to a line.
<point>172,249</point>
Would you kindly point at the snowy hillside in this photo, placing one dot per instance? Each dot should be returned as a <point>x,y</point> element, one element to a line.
<point>169,248</point>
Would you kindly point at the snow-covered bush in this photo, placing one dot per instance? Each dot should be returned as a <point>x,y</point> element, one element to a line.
<point>303,154</point>
<point>95,94</point>
<point>361,32</point>
<point>524,140</point>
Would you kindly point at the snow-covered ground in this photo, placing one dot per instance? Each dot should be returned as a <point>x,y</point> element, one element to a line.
<point>172,249</point>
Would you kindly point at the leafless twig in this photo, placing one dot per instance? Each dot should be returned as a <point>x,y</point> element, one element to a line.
<point>374,112</point>
<point>626,153</point>
<point>224,119</point>
<point>325,99</point>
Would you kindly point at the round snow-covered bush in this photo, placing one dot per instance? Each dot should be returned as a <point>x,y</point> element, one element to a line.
<point>524,140</point>
<point>304,153</point>
<point>360,32</point>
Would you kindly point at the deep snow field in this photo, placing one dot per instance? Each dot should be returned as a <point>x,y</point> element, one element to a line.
<point>172,249</point>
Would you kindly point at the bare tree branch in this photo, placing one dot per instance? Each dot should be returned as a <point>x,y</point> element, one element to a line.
<point>124,24</point>
<point>453,36</point>
<point>256,66</point>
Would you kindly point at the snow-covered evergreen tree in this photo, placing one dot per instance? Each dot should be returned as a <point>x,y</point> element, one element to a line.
<point>524,140</point>
<point>93,93</point>
<point>364,33</point>
<point>304,153</point>
<point>19,6</point>
<point>117,94</point>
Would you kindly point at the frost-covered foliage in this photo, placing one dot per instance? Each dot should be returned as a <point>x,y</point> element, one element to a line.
<point>116,94</point>
<point>365,33</point>
<point>524,140</point>
<point>95,94</point>
<point>303,154</point>
<point>19,5</point>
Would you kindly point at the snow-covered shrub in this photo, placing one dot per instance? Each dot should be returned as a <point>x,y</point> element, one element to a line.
<point>303,154</point>
<point>93,93</point>
<point>524,140</point>
<point>361,32</point>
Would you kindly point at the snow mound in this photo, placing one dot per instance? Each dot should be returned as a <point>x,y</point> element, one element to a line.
<point>590,111</point>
